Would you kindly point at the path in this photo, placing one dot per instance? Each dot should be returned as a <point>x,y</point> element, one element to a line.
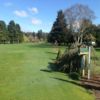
<point>93,84</point>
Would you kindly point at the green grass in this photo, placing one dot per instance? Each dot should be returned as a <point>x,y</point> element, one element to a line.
<point>96,63</point>
<point>22,76</point>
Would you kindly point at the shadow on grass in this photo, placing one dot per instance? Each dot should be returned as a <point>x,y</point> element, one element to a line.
<point>97,49</point>
<point>79,83</point>
<point>52,53</point>
<point>46,70</point>
<point>53,68</point>
<point>50,68</point>
<point>72,82</point>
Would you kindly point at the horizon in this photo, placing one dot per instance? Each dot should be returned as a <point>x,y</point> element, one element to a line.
<point>34,15</point>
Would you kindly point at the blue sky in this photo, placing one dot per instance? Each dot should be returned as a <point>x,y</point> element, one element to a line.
<point>33,15</point>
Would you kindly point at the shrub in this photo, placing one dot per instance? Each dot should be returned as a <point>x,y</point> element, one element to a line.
<point>74,76</point>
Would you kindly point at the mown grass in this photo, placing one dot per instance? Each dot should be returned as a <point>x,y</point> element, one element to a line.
<point>24,75</point>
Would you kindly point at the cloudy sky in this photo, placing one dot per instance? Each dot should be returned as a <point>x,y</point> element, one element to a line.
<point>33,15</point>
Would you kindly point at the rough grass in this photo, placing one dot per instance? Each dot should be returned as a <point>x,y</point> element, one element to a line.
<point>24,75</point>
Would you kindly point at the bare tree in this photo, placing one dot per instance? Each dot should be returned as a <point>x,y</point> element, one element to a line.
<point>78,18</point>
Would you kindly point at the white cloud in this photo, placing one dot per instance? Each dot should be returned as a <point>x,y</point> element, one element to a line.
<point>33,10</point>
<point>36,21</point>
<point>21,13</point>
<point>8,4</point>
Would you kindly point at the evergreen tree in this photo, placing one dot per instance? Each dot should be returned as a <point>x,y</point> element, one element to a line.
<point>3,32</point>
<point>15,34</point>
<point>40,34</point>
<point>12,31</point>
<point>59,29</point>
<point>19,34</point>
<point>34,34</point>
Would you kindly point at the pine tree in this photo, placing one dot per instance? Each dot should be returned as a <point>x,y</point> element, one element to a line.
<point>3,32</point>
<point>59,29</point>
<point>40,34</point>
<point>12,31</point>
<point>15,34</point>
<point>19,34</point>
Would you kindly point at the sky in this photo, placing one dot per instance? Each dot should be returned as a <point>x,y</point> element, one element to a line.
<point>33,15</point>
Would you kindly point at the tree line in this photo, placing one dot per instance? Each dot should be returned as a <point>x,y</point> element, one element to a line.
<point>35,36</point>
<point>10,33</point>
<point>75,25</point>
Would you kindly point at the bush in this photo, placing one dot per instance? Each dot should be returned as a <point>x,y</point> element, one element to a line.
<point>74,76</point>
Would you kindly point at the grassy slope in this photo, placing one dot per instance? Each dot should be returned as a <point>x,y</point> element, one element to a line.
<point>21,77</point>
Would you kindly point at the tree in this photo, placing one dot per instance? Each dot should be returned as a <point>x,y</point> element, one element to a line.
<point>12,31</point>
<point>34,34</point>
<point>59,30</point>
<point>92,33</point>
<point>98,36</point>
<point>3,32</point>
<point>44,36</point>
<point>19,34</point>
<point>40,34</point>
<point>15,34</point>
<point>77,17</point>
